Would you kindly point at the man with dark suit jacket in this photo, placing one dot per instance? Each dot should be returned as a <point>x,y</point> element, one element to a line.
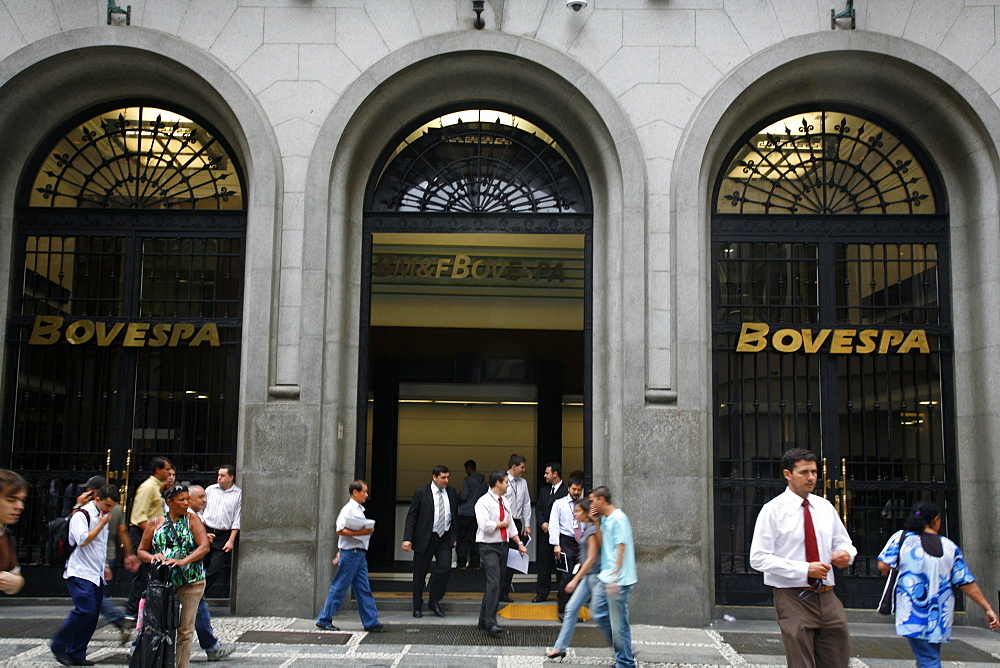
<point>430,531</point>
<point>549,493</point>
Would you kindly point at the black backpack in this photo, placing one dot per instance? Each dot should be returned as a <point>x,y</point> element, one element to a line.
<point>58,548</point>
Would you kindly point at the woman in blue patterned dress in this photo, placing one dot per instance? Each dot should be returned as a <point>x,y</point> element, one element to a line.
<point>930,566</point>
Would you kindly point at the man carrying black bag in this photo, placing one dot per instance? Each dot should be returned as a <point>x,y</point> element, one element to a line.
<point>161,615</point>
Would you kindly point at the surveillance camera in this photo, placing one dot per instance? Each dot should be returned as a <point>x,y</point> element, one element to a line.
<point>576,5</point>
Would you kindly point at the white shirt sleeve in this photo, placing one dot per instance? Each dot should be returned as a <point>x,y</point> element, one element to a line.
<point>554,523</point>
<point>764,548</point>
<point>79,527</point>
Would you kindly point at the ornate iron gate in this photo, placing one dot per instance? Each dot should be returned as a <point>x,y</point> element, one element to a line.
<point>831,332</point>
<point>125,327</point>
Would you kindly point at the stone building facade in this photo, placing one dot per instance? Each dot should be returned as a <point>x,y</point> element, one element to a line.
<point>651,100</point>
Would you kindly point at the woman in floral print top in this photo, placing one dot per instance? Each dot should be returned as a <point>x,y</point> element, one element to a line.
<point>179,540</point>
<point>930,565</point>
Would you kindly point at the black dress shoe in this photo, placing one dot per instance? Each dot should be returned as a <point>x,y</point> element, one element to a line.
<point>539,599</point>
<point>436,609</point>
<point>495,631</point>
<point>378,628</point>
<point>506,599</point>
<point>482,626</point>
<point>555,654</point>
<point>64,659</point>
<point>418,614</point>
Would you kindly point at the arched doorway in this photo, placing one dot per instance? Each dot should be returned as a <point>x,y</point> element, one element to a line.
<point>476,313</point>
<point>832,331</point>
<point>127,304</point>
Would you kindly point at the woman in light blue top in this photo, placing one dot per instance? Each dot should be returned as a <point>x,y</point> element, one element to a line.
<point>930,565</point>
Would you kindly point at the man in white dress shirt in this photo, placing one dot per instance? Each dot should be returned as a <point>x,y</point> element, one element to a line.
<point>86,573</point>
<point>797,540</point>
<point>517,500</point>
<point>564,534</point>
<point>222,519</point>
<point>494,534</point>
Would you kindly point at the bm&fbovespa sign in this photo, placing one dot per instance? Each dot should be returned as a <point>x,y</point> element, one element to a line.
<point>48,329</point>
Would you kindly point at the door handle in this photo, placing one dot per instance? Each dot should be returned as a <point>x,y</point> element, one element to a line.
<point>840,486</point>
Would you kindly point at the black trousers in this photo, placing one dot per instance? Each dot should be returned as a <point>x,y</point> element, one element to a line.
<point>467,552</point>
<point>141,578</point>
<point>508,576</point>
<point>438,549</point>
<point>571,549</point>
<point>544,562</point>
<point>494,559</point>
<point>217,559</point>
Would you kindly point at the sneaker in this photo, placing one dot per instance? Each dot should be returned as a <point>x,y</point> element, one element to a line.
<point>219,654</point>
<point>327,627</point>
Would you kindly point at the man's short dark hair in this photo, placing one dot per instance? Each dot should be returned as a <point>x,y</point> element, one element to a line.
<point>515,460</point>
<point>109,492</point>
<point>555,467</point>
<point>160,463</point>
<point>229,468</point>
<point>573,480</point>
<point>497,476</point>
<point>602,492</point>
<point>356,486</point>
<point>795,455</point>
<point>439,469</point>
<point>471,464</point>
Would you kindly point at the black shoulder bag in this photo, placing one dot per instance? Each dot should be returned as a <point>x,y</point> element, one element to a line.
<point>887,604</point>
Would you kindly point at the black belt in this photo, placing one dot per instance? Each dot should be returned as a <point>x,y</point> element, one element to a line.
<point>217,531</point>
<point>354,549</point>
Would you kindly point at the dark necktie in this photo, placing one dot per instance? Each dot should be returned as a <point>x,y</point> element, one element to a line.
<point>812,549</point>
<point>503,532</point>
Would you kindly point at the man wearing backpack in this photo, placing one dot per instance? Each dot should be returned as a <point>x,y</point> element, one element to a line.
<point>86,573</point>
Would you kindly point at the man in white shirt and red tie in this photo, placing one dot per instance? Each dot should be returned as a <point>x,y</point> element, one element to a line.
<point>494,533</point>
<point>797,540</point>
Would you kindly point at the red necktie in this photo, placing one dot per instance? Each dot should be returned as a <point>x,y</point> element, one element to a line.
<point>812,550</point>
<point>503,532</point>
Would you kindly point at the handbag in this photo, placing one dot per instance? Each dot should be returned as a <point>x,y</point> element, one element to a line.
<point>887,604</point>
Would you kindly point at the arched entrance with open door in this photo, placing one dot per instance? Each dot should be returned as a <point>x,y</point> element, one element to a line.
<point>831,331</point>
<point>476,307</point>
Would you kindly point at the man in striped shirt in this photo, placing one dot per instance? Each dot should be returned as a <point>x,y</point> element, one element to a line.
<point>222,518</point>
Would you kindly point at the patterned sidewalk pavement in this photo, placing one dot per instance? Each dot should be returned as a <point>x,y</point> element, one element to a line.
<point>455,642</point>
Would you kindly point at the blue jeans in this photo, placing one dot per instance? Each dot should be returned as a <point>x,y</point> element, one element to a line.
<point>352,572</point>
<point>611,611</point>
<point>927,654</point>
<point>74,636</point>
<point>580,598</point>
<point>203,627</point>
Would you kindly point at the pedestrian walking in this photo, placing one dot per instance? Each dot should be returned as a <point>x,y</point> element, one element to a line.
<point>179,540</point>
<point>495,534</point>
<point>13,492</point>
<point>797,540</point>
<point>430,530</point>
<point>147,505</point>
<point>614,584</point>
<point>85,574</point>
<point>214,649</point>
<point>354,532</point>
<point>930,566</point>
<point>584,581</point>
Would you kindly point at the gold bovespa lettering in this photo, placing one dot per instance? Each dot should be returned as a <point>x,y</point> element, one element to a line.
<point>106,338</point>
<point>181,330</point>
<point>753,337</point>
<point>890,337</point>
<point>461,268</point>
<point>75,336</point>
<point>443,263</point>
<point>45,331</point>
<point>159,335</point>
<point>794,342</point>
<point>135,335</point>
<point>208,332</point>
<point>476,266</point>
<point>866,341</point>
<point>915,339</point>
<point>843,341</point>
<point>810,345</point>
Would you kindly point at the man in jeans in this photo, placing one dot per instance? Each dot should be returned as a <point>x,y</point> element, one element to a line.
<point>617,576</point>
<point>215,650</point>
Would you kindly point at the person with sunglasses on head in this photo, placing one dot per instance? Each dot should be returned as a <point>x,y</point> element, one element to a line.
<point>796,542</point>
<point>13,492</point>
<point>930,566</point>
<point>179,539</point>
